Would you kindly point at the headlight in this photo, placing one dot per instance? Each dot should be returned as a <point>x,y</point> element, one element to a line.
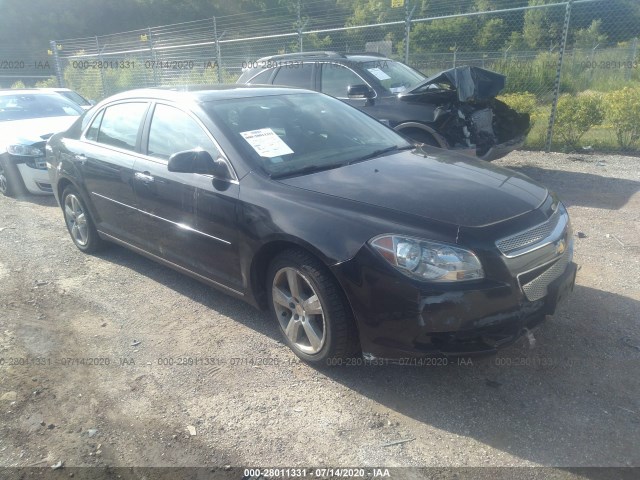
<point>428,260</point>
<point>24,151</point>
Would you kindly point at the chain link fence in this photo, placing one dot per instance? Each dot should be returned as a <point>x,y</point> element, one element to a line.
<point>553,55</point>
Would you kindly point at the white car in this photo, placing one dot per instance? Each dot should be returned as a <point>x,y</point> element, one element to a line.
<point>27,119</point>
<point>72,95</point>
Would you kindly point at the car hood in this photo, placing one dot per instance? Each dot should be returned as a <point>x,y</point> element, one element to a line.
<point>471,83</point>
<point>33,130</point>
<point>431,183</point>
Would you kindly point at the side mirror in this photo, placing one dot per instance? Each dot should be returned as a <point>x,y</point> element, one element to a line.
<point>360,91</point>
<point>198,161</point>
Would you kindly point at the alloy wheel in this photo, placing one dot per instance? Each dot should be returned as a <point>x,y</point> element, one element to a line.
<point>299,310</point>
<point>76,219</point>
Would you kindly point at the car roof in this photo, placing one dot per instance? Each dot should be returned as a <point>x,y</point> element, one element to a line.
<point>365,57</point>
<point>207,93</point>
<point>329,55</point>
<point>18,91</point>
<point>55,89</point>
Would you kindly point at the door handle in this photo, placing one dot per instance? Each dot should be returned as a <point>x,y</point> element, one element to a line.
<point>81,158</point>
<point>144,177</point>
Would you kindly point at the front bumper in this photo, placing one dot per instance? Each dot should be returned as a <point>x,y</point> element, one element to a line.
<point>399,318</point>
<point>35,180</point>
<point>499,151</point>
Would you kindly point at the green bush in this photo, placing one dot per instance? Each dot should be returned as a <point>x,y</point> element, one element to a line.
<point>576,115</point>
<point>623,114</point>
<point>523,103</point>
<point>87,82</point>
<point>530,75</point>
<point>48,83</point>
<point>18,84</point>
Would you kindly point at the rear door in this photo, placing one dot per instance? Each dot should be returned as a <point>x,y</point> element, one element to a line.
<point>105,157</point>
<point>296,74</point>
<point>189,219</point>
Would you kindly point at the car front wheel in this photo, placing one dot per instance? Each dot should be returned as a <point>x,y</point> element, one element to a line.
<point>311,309</point>
<point>421,136</point>
<point>79,223</point>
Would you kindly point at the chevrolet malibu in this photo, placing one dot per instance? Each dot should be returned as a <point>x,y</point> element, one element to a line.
<point>357,241</point>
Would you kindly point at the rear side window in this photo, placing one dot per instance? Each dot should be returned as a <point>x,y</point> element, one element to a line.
<point>92,133</point>
<point>336,79</point>
<point>173,131</point>
<point>294,75</point>
<point>262,77</point>
<point>120,125</point>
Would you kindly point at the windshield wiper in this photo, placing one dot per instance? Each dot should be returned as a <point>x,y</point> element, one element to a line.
<point>382,151</point>
<point>306,170</point>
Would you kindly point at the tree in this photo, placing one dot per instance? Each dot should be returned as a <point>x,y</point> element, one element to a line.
<point>491,35</point>
<point>542,26</point>
<point>443,35</point>
<point>516,42</point>
<point>589,37</point>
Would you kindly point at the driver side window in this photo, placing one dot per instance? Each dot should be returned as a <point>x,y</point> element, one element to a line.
<point>173,131</point>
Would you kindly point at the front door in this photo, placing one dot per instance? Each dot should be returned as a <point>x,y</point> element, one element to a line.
<point>190,219</point>
<point>335,80</point>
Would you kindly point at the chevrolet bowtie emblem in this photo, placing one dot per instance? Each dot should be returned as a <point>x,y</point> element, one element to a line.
<point>561,246</point>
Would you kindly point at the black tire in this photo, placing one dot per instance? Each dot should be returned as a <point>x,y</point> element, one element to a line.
<point>89,241</point>
<point>11,184</point>
<point>340,336</point>
<point>422,137</point>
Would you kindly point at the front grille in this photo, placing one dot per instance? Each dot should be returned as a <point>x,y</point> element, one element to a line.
<point>529,238</point>
<point>538,287</point>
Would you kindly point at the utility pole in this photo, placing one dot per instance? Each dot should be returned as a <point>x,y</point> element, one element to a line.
<point>300,26</point>
<point>218,54</point>
<point>407,28</point>
<point>56,62</point>
<point>632,58</point>
<point>99,50</point>
<point>556,90</point>
<point>154,58</point>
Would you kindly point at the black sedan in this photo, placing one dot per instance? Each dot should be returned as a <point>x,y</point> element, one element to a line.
<point>359,242</point>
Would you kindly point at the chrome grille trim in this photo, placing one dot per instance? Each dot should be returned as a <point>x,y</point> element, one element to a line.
<point>538,287</point>
<point>535,237</point>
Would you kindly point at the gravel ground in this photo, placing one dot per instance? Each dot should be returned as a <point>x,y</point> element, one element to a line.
<point>573,400</point>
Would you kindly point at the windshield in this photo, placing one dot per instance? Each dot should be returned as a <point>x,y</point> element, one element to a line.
<point>289,135</point>
<point>24,106</point>
<point>394,77</point>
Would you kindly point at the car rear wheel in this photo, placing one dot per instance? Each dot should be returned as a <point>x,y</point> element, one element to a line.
<point>79,222</point>
<point>10,181</point>
<point>311,309</point>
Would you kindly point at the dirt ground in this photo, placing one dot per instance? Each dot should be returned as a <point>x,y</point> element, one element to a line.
<point>113,359</point>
